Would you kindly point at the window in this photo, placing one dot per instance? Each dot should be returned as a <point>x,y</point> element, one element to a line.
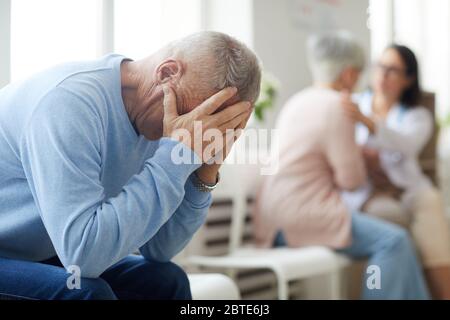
<point>143,26</point>
<point>47,32</point>
<point>424,27</point>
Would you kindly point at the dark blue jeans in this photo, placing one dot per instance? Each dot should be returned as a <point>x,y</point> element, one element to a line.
<point>131,278</point>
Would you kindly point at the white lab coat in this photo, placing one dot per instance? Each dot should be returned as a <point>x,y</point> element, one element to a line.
<point>400,140</point>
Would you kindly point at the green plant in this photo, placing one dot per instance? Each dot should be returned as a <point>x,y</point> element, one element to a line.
<point>444,122</point>
<point>267,96</point>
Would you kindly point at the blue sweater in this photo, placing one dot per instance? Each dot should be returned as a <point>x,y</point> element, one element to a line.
<point>78,182</point>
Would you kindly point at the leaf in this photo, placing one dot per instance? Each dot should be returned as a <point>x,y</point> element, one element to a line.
<point>268,94</point>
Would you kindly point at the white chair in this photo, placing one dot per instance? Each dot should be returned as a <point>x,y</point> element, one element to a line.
<point>288,264</point>
<point>213,287</point>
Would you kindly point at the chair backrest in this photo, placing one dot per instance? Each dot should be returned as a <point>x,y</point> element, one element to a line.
<point>228,227</point>
<point>428,157</point>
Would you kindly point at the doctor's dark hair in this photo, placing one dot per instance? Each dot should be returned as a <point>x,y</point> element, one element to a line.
<point>411,96</point>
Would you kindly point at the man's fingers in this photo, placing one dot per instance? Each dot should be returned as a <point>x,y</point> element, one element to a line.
<point>225,147</point>
<point>243,124</point>
<point>213,103</point>
<point>234,123</point>
<point>230,113</point>
<point>170,102</point>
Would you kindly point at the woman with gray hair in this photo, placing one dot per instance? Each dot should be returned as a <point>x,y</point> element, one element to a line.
<point>319,159</point>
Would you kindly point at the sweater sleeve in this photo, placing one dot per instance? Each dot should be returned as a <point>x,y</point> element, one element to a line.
<point>61,156</point>
<point>343,154</point>
<point>179,230</point>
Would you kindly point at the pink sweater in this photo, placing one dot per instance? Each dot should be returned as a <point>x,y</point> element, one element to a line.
<point>318,159</point>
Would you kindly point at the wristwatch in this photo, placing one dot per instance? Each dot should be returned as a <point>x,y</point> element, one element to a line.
<point>205,187</point>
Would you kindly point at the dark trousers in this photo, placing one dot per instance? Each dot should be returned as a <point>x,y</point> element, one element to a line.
<point>131,278</point>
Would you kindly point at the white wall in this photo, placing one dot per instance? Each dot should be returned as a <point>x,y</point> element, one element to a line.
<point>280,29</point>
<point>381,25</point>
<point>5,7</point>
<point>234,17</point>
<point>424,26</point>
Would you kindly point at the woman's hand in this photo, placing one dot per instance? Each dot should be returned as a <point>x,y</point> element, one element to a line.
<point>380,180</point>
<point>352,110</point>
<point>374,169</point>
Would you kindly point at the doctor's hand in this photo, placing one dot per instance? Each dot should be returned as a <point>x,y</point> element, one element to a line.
<point>352,110</point>
<point>374,168</point>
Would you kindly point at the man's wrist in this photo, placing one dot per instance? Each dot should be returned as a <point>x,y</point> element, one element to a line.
<point>208,173</point>
<point>205,186</point>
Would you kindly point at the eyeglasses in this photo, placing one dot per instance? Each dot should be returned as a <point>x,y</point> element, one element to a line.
<point>390,70</point>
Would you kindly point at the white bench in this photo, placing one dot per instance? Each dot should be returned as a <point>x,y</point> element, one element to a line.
<point>213,287</point>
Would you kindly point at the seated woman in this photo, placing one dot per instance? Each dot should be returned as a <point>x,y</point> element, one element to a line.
<point>395,129</point>
<point>318,158</point>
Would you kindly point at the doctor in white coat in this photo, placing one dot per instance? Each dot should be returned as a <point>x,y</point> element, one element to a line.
<point>394,129</point>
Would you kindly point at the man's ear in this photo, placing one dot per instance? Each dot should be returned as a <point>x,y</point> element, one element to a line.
<point>169,71</point>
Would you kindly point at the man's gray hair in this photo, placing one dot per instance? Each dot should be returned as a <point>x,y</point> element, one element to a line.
<point>234,64</point>
<point>330,53</point>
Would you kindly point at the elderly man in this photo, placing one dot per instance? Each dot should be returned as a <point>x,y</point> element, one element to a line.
<point>88,174</point>
<point>318,160</point>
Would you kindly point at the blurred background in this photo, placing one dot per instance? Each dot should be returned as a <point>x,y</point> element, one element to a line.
<point>37,34</point>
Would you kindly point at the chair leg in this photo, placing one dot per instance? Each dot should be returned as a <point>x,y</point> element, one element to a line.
<point>335,285</point>
<point>283,285</point>
<point>283,290</point>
